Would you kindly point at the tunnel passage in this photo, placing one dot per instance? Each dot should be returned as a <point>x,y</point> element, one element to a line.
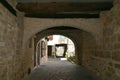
<point>84,41</point>
<point>15,30</point>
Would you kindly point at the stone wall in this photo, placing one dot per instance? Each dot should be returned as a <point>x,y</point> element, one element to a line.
<point>11,29</point>
<point>111,44</point>
<point>98,45</point>
<point>105,60</point>
<point>88,49</point>
<point>7,43</point>
<point>44,56</point>
<point>28,57</point>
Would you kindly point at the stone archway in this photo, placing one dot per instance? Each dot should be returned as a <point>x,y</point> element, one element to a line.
<point>82,36</point>
<point>34,25</point>
<point>40,52</point>
<point>76,35</point>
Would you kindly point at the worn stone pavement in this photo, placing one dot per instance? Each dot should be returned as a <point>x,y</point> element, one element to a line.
<point>60,70</point>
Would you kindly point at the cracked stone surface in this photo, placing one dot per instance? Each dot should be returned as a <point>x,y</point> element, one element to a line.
<point>60,70</point>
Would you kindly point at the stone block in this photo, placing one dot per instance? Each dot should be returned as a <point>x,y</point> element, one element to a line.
<point>117,66</point>
<point>117,46</point>
<point>2,44</point>
<point>116,55</point>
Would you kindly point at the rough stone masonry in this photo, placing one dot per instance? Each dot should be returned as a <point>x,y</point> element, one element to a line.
<point>100,46</point>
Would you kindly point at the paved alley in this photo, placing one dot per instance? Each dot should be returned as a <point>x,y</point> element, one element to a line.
<point>60,70</point>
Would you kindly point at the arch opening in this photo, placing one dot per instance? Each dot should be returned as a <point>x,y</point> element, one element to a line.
<point>54,47</point>
<point>83,43</point>
<point>60,41</point>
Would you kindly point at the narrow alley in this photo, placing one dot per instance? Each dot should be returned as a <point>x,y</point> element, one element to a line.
<point>90,37</point>
<point>60,70</point>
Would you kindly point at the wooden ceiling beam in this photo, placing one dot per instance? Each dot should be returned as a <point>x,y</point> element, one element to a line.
<point>63,15</point>
<point>57,7</point>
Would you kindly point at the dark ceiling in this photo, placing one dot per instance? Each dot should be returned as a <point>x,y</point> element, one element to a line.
<point>63,8</point>
<point>64,0</point>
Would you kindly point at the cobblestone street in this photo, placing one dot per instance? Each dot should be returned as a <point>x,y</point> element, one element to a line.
<point>60,70</point>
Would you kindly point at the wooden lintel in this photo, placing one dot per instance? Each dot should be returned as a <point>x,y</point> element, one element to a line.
<point>63,15</point>
<point>63,7</point>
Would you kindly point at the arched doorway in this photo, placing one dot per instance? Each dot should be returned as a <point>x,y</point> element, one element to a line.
<point>76,35</point>
<point>58,47</point>
<point>81,39</point>
<point>41,52</point>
